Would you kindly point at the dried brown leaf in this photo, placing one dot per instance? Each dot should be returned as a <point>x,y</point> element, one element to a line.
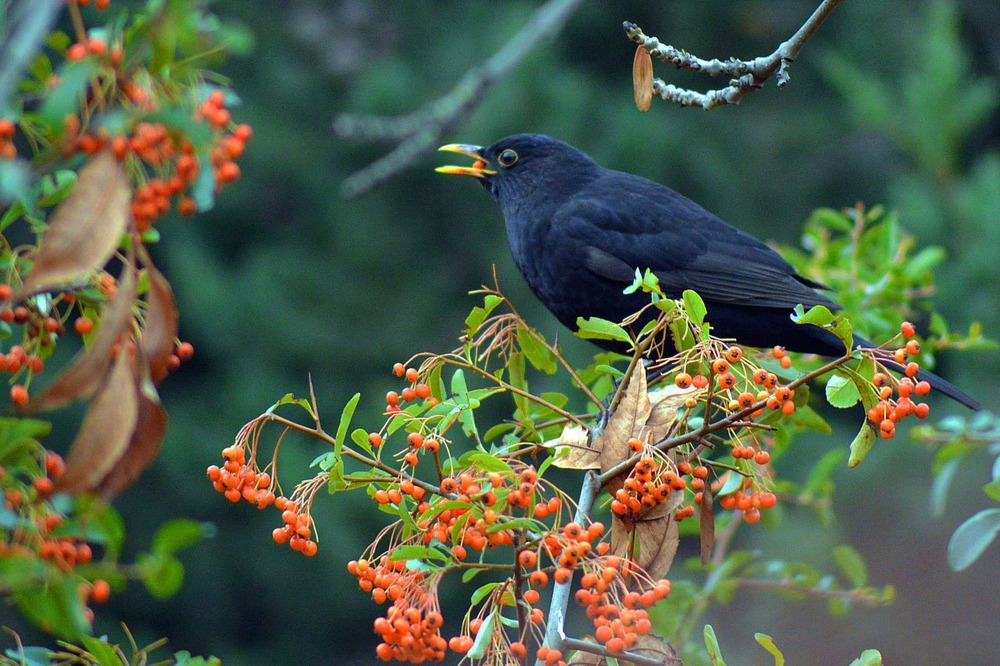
<point>106,430</point>
<point>656,537</point>
<point>642,79</point>
<point>144,445</point>
<point>573,449</point>
<point>666,403</point>
<point>707,524</point>
<point>85,229</point>
<point>627,421</point>
<point>90,366</point>
<point>160,329</point>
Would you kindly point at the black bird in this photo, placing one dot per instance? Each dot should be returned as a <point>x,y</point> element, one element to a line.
<point>578,232</point>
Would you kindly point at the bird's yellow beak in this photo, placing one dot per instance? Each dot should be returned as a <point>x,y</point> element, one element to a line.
<point>477,170</point>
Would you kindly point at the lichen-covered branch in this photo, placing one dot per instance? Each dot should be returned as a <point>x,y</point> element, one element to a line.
<point>746,75</point>
<point>28,24</point>
<point>422,130</point>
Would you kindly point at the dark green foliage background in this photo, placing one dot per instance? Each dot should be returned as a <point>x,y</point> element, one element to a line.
<point>286,278</point>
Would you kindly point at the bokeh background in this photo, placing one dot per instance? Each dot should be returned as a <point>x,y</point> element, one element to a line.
<point>892,102</point>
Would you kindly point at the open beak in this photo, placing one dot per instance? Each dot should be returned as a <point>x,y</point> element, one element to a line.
<point>477,170</point>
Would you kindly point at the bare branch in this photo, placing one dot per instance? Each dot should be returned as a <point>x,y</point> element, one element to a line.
<point>747,75</point>
<point>422,130</point>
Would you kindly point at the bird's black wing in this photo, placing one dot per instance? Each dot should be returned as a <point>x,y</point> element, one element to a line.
<point>635,223</point>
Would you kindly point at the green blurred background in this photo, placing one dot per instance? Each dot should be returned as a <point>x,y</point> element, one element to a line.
<point>892,102</point>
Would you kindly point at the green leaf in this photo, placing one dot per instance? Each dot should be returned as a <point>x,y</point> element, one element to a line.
<point>537,354</point>
<point>817,315</point>
<point>485,462</point>
<point>482,592</point>
<point>696,311</point>
<point>868,658</point>
<point>767,643</point>
<point>162,575</point>
<point>861,445</point>
<point>103,652</point>
<point>595,328</point>
<point>484,637</point>
<point>178,534</point>
<point>469,574</point>
<point>972,538</point>
<point>940,486</point>
<point>404,553</point>
<point>360,437</point>
<point>30,656</point>
<point>65,98</point>
<point>851,564</point>
<point>290,399</point>
<point>841,392</point>
<point>57,607</point>
<point>55,187</point>
<point>992,490</point>
<point>714,653</point>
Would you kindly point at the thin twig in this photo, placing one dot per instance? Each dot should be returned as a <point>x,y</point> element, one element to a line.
<point>748,75</point>
<point>422,130</point>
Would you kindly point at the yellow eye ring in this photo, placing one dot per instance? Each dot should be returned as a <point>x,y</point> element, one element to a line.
<point>507,157</point>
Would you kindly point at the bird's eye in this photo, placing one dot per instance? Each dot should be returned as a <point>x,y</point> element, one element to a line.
<point>507,158</point>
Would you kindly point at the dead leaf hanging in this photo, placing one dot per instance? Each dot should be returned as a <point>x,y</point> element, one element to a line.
<point>84,230</point>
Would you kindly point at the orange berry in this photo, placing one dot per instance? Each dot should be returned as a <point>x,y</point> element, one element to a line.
<point>375,439</point>
<point>100,591</point>
<point>185,351</point>
<point>682,380</point>
<point>762,457</point>
<point>19,395</point>
<point>908,330</point>
<point>720,366</point>
<point>83,325</point>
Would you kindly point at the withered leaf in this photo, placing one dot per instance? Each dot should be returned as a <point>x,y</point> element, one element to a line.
<point>144,445</point>
<point>627,421</point>
<point>85,229</point>
<point>106,430</point>
<point>657,536</point>
<point>90,366</point>
<point>160,328</point>
<point>642,79</point>
<point>707,524</point>
<point>666,402</point>
<point>573,449</point>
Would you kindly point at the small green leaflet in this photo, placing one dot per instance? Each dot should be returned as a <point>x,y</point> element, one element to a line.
<point>479,314</point>
<point>595,328</point>
<point>484,637</point>
<point>712,643</point>
<point>537,354</point>
<point>290,399</point>
<point>337,481</point>
<point>851,564</point>
<point>972,538</point>
<point>767,643</point>
<point>820,315</point>
<point>861,445</point>
<point>868,658</point>
<point>842,392</point>
<point>695,308</point>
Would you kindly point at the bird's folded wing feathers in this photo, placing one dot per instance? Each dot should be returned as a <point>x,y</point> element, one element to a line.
<point>717,277</point>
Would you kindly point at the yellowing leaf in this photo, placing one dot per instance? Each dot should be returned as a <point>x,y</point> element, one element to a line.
<point>642,79</point>
<point>85,229</point>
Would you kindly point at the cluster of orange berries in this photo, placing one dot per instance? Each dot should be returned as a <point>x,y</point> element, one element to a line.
<point>410,630</point>
<point>777,396</point>
<point>416,390</point>
<point>750,504</point>
<point>64,551</point>
<point>7,149</point>
<point>651,481</point>
<point>237,480</point>
<point>410,633</point>
<point>96,47</point>
<point>889,411</point>
<point>619,615</point>
<point>297,529</point>
<point>459,525</point>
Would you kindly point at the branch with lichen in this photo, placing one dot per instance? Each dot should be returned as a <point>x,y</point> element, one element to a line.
<point>746,75</point>
<point>422,130</point>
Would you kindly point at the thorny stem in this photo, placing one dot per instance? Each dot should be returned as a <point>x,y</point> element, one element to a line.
<point>787,586</point>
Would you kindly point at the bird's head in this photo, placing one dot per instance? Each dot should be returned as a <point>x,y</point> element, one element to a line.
<point>524,169</point>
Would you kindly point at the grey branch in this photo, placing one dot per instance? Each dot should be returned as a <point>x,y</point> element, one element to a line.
<point>746,75</point>
<point>29,23</point>
<point>422,130</point>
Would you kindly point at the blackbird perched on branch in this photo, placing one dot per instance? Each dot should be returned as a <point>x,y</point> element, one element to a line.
<point>578,232</point>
